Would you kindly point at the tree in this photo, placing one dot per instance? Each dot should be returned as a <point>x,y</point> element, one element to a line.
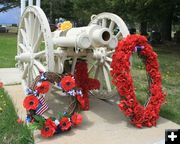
<point>58,8</point>
<point>154,11</point>
<point>8,4</point>
<point>83,9</point>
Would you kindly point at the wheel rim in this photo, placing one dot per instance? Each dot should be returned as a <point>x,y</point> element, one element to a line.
<point>34,45</point>
<point>100,62</point>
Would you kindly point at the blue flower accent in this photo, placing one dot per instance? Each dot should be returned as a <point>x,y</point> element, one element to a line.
<point>64,113</point>
<point>28,91</point>
<point>79,92</point>
<point>43,76</point>
<point>35,93</point>
<point>58,130</point>
<point>71,92</point>
<point>59,85</point>
<point>138,48</point>
<point>28,119</point>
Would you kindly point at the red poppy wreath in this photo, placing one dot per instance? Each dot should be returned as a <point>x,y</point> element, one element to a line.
<point>121,77</point>
<point>36,105</point>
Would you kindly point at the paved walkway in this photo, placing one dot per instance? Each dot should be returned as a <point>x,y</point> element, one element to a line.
<point>103,124</point>
<point>10,76</point>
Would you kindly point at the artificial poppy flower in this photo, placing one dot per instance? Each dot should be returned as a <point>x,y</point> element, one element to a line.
<point>76,119</point>
<point>20,121</point>
<point>49,128</point>
<point>42,87</point>
<point>1,84</point>
<point>65,124</point>
<point>68,83</point>
<point>30,102</point>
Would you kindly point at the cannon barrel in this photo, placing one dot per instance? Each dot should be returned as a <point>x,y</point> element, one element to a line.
<point>84,37</point>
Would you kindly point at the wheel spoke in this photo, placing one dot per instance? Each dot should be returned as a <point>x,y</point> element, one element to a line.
<point>108,59</point>
<point>22,47</point>
<point>39,65</point>
<point>39,54</point>
<point>104,22</point>
<point>31,22</point>
<point>30,74</point>
<point>37,43</point>
<point>23,33</point>
<point>35,29</point>
<point>111,26</point>
<point>92,67</point>
<point>110,52</point>
<point>27,28</point>
<point>96,71</point>
<point>25,71</point>
<point>73,65</point>
<point>107,80</point>
<point>107,66</point>
<point>118,34</point>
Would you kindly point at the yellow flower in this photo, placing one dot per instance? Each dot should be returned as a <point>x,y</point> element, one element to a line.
<point>65,25</point>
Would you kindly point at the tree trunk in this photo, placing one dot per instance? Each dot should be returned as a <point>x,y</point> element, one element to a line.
<point>143,28</point>
<point>166,25</point>
<point>51,12</point>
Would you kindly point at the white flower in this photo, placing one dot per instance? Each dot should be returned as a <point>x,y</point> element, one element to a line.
<point>56,122</point>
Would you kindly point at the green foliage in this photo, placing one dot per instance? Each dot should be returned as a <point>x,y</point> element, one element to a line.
<point>12,132</point>
<point>60,115</point>
<point>58,8</point>
<point>8,50</point>
<point>38,123</point>
<point>8,4</point>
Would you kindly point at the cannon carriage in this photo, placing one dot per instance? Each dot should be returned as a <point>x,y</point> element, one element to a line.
<point>40,50</point>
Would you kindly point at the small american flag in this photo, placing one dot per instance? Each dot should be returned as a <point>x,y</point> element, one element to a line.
<point>42,107</point>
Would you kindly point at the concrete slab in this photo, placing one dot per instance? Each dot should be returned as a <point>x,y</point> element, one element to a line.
<point>103,124</point>
<point>10,76</point>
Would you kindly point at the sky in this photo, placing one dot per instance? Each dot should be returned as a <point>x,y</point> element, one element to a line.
<point>12,16</point>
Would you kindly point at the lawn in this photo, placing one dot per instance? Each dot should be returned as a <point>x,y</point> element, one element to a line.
<point>7,50</point>
<point>11,132</point>
<point>169,59</point>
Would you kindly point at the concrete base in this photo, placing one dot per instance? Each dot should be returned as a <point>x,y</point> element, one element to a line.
<point>102,124</point>
<point>10,76</point>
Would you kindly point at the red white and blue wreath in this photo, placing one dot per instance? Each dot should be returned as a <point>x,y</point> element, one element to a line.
<point>121,77</point>
<point>36,105</point>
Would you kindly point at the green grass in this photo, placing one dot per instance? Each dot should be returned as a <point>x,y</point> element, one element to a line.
<point>7,50</point>
<point>169,59</point>
<point>10,131</point>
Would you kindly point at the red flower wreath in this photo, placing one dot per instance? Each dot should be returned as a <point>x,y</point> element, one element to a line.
<point>140,116</point>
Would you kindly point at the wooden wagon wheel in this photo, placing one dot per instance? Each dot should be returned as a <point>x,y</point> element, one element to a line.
<point>34,45</point>
<point>99,66</point>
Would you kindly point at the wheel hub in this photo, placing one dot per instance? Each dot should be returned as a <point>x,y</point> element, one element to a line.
<point>100,54</point>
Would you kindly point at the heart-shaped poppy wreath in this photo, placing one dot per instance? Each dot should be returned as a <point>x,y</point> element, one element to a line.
<point>121,77</point>
<point>76,87</point>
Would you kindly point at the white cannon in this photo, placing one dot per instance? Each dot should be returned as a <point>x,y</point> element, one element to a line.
<point>39,49</point>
